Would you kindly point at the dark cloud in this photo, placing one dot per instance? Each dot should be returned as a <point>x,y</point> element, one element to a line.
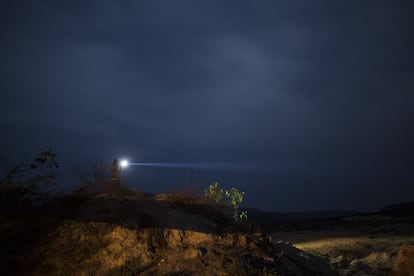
<point>323,88</point>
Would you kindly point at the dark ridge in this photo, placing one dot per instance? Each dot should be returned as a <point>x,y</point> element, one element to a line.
<point>402,209</point>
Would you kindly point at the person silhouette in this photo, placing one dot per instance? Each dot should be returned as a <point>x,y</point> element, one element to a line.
<point>116,172</point>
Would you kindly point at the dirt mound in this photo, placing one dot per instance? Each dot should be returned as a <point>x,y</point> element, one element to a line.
<point>404,263</point>
<point>130,234</point>
<point>103,249</point>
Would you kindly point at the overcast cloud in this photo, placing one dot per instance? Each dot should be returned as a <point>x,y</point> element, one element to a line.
<point>320,91</point>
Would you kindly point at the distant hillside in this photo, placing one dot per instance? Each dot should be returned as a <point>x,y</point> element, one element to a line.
<point>399,209</point>
<point>266,217</point>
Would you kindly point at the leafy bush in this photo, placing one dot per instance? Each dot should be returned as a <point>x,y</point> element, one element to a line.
<point>215,193</point>
<point>236,199</point>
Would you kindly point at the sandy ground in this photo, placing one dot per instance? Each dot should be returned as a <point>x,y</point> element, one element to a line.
<point>365,250</point>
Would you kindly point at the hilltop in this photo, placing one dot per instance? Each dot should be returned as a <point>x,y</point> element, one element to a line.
<point>126,232</point>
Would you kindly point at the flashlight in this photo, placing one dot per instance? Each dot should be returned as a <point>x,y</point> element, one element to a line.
<point>124,163</point>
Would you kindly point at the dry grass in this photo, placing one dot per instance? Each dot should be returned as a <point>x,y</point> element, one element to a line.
<point>96,179</point>
<point>189,200</point>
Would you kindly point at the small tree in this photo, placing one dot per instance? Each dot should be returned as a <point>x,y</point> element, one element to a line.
<point>214,192</point>
<point>236,199</point>
<point>47,170</point>
<point>32,182</point>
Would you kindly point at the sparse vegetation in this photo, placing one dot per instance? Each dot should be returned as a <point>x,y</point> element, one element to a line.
<point>23,185</point>
<point>123,232</point>
<point>236,199</point>
<point>95,178</point>
<point>215,193</point>
<point>197,205</point>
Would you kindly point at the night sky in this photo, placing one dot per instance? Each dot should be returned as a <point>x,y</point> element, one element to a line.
<point>310,103</point>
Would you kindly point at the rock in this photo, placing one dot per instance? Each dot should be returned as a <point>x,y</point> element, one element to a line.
<point>296,262</point>
<point>354,262</point>
<point>377,258</point>
<point>404,263</point>
<point>191,253</point>
<point>173,238</point>
<point>242,240</point>
<point>338,259</point>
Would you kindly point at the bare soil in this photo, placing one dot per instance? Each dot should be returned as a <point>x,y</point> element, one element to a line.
<point>369,247</point>
<point>129,233</point>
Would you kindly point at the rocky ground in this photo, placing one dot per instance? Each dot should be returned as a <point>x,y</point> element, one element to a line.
<point>367,245</point>
<point>131,233</point>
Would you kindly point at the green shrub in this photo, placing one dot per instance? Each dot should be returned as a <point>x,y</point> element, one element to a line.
<point>215,193</point>
<point>236,199</point>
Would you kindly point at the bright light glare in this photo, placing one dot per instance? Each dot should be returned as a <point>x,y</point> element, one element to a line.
<point>124,163</point>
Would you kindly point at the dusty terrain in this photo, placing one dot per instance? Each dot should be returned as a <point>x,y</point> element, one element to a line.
<point>368,245</point>
<point>130,233</point>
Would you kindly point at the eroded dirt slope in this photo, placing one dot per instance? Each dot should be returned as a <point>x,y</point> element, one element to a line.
<point>130,234</point>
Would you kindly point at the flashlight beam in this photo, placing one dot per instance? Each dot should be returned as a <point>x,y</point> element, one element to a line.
<point>176,165</point>
<point>247,167</point>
